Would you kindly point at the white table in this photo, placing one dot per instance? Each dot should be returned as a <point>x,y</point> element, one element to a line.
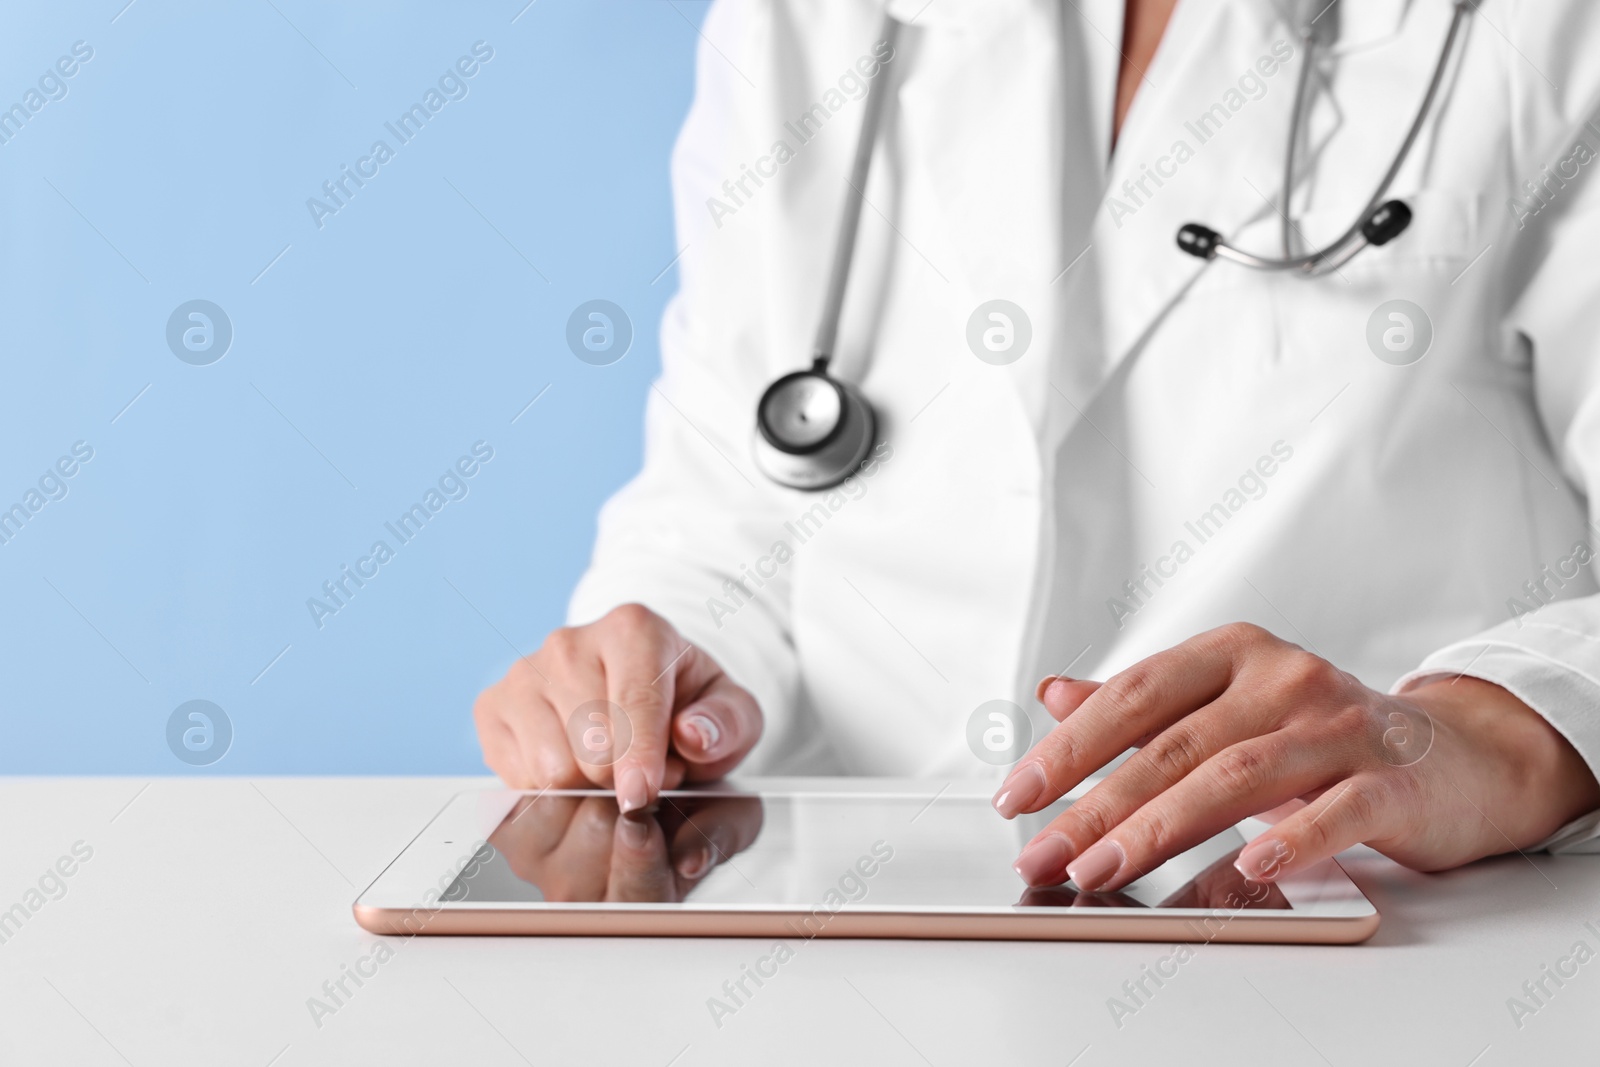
<point>212,909</point>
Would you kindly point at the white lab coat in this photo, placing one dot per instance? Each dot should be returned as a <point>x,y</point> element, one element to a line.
<point>1395,512</point>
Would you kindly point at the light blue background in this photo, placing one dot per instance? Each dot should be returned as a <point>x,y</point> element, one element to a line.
<point>406,329</point>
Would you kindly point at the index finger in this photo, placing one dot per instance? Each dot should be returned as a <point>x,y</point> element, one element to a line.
<point>638,663</point>
<point>1148,696</point>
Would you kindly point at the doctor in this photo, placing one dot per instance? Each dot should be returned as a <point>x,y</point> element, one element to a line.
<point>1316,541</point>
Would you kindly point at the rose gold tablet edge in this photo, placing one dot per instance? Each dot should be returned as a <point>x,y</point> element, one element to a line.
<point>1087,925</point>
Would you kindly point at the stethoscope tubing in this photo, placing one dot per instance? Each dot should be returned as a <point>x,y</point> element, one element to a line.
<point>1341,250</point>
<point>850,219</point>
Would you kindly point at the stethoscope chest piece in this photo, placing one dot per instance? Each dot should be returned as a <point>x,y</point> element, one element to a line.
<point>812,430</point>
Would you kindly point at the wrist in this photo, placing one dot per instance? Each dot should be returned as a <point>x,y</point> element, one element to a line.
<point>1535,770</point>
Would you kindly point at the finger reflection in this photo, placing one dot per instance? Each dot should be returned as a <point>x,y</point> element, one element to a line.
<point>1222,886</point>
<point>1066,896</point>
<point>583,849</point>
<point>1219,886</point>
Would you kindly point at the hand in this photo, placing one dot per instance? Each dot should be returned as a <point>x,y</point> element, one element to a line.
<point>624,701</point>
<point>581,849</point>
<point>1235,723</point>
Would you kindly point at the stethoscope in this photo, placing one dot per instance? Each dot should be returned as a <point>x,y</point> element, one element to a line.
<point>1380,222</point>
<point>814,430</point>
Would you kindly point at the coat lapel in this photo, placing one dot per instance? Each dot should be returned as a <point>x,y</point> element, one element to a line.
<point>990,135</point>
<point>997,107</point>
<point>1204,143</point>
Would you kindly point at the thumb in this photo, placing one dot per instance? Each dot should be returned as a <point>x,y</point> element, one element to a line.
<point>717,722</point>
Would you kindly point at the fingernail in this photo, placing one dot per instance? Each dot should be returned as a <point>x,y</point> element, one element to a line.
<point>694,863</point>
<point>704,730</point>
<point>1262,860</point>
<point>1044,862</point>
<point>1020,790</point>
<point>1049,682</point>
<point>635,832</point>
<point>1097,866</point>
<point>632,792</point>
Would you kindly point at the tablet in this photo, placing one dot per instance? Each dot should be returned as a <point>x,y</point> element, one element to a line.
<point>930,862</point>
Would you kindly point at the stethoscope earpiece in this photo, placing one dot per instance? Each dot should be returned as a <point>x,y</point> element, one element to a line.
<point>1386,223</point>
<point>812,430</point>
<point>1200,241</point>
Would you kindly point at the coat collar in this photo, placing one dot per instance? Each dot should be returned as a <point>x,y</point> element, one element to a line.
<point>1365,23</point>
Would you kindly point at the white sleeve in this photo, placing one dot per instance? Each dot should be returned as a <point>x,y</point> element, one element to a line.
<point>698,516</point>
<point>1550,659</point>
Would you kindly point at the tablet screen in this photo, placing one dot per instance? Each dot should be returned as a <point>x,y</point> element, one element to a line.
<point>815,853</point>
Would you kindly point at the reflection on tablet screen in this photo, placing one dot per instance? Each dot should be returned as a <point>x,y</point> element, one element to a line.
<point>810,852</point>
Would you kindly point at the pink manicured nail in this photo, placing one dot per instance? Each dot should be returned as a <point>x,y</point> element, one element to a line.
<point>1262,860</point>
<point>1044,861</point>
<point>704,730</point>
<point>633,792</point>
<point>1097,866</point>
<point>1054,686</point>
<point>1021,790</point>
